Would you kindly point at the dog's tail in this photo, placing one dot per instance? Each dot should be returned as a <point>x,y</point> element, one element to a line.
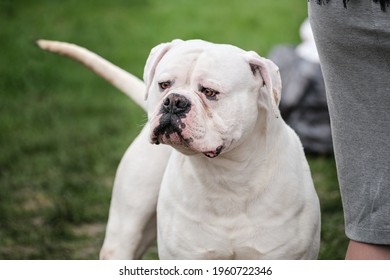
<point>119,78</point>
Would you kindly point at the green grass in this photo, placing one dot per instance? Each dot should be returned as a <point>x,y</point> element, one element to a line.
<point>63,130</point>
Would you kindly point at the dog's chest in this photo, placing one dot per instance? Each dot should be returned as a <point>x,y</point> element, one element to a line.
<point>211,237</point>
<point>209,229</point>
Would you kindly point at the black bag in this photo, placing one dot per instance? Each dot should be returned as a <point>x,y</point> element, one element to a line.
<point>303,103</point>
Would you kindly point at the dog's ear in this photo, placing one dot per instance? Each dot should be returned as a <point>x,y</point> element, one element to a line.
<point>155,56</point>
<point>271,78</point>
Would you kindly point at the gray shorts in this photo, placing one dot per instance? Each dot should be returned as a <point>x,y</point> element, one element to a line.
<point>354,49</point>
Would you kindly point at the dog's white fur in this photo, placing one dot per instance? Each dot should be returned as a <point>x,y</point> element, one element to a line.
<point>253,199</point>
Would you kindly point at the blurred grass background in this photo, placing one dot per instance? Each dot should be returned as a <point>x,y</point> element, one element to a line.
<point>63,130</point>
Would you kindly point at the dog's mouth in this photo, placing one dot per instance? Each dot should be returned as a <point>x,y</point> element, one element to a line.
<point>214,153</point>
<point>182,144</point>
<point>172,130</point>
<point>174,138</point>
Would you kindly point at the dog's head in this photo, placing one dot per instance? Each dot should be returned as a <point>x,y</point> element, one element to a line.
<point>204,97</point>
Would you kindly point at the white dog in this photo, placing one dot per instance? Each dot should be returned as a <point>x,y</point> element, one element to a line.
<point>236,184</point>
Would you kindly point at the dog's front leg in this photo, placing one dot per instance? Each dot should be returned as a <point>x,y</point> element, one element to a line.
<point>131,225</point>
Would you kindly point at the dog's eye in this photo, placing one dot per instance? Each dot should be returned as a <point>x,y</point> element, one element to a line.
<point>210,93</point>
<point>165,85</point>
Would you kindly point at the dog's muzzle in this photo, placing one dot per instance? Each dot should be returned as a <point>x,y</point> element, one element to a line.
<point>174,108</point>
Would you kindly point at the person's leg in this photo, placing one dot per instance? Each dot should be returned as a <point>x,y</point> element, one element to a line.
<point>354,49</point>
<point>363,251</point>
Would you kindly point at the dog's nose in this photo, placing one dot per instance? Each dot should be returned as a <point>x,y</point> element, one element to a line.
<point>176,104</point>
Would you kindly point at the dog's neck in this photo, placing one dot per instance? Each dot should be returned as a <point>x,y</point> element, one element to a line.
<point>248,158</point>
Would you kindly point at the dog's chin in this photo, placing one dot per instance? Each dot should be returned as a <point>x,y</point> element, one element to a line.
<point>188,151</point>
<point>186,146</point>
<point>214,153</point>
